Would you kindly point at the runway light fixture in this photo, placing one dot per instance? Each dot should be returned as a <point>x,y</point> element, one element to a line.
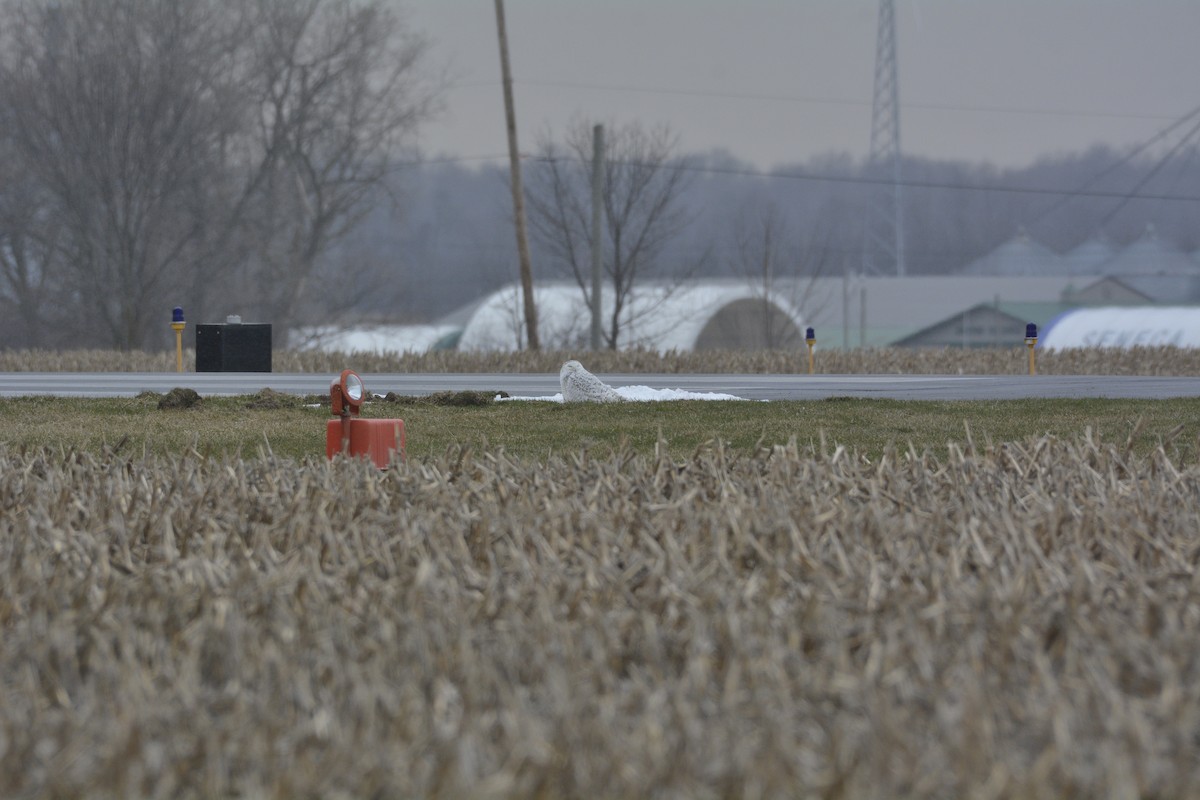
<point>178,324</point>
<point>1031,338</point>
<point>349,434</point>
<point>810,338</point>
<point>346,394</point>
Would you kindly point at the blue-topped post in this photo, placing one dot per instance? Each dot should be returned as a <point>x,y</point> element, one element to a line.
<point>1030,342</point>
<point>810,338</point>
<point>178,325</point>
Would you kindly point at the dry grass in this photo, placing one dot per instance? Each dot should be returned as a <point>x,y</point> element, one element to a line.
<point>1005,361</point>
<point>872,361</point>
<point>1010,617</point>
<point>1009,621</point>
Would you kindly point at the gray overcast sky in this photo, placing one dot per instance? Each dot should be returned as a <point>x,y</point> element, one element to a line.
<point>772,82</point>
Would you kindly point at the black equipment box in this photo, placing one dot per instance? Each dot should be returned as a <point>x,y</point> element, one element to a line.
<point>233,347</point>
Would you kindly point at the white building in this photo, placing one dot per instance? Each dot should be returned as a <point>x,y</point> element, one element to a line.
<point>697,315</point>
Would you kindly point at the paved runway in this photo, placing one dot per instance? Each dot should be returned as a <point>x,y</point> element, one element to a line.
<point>752,387</point>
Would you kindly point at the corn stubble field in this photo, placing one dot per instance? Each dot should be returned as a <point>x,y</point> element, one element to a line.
<point>1012,619</point>
<point>873,361</point>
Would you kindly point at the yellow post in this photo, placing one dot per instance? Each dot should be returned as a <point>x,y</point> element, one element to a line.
<point>178,325</point>
<point>1031,342</point>
<point>810,339</point>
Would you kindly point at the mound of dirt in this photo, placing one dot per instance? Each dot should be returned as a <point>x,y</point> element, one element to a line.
<point>271,399</point>
<point>179,398</point>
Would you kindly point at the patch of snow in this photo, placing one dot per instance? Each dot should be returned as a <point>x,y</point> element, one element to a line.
<point>641,394</point>
<point>377,339</point>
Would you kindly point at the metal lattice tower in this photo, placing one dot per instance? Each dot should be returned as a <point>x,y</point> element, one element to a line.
<point>883,243</point>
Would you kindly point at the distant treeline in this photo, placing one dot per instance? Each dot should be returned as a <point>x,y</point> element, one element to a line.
<point>257,159</point>
<point>451,240</point>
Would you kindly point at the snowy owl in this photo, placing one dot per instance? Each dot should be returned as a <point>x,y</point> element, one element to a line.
<point>581,386</point>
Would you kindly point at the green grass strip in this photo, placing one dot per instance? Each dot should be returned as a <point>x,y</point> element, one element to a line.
<point>244,426</point>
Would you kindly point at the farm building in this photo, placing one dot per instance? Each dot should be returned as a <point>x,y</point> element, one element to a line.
<point>846,312</point>
<point>880,312</point>
<point>1148,255</point>
<point>985,325</point>
<point>704,315</point>
<point>1109,290</point>
<point>1020,255</point>
<point>1147,272</point>
<point>1124,327</point>
<point>701,315</point>
<point>1086,257</point>
<point>987,305</point>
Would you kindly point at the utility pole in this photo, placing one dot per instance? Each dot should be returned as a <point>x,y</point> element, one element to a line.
<point>597,226</point>
<point>518,193</point>
<point>883,242</point>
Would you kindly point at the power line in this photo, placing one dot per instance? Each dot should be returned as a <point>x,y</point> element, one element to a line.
<point>1132,154</point>
<point>831,101</point>
<point>919,184</point>
<point>1150,175</point>
<point>852,179</point>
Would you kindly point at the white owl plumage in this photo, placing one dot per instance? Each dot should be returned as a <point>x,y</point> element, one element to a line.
<point>581,386</point>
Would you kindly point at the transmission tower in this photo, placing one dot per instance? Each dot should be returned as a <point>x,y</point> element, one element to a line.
<point>883,243</point>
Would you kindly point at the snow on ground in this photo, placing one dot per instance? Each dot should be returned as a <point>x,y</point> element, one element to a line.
<point>374,338</point>
<point>643,394</point>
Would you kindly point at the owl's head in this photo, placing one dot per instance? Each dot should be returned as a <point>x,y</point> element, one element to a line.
<point>570,367</point>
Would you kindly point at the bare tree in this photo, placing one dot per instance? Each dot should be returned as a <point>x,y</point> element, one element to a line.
<point>760,251</point>
<point>340,88</point>
<point>29,255</point>
<point>201,152</point>
<point>108,105</point>
<point>780,265</point>
<point>643,182</point>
